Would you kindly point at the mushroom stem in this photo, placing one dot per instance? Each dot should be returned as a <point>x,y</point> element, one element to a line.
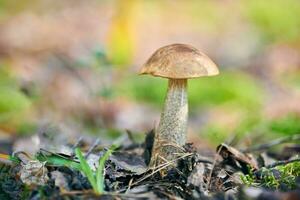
<point>171,132</point>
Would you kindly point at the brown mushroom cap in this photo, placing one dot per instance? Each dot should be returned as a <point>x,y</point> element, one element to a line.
<point>179,61</point>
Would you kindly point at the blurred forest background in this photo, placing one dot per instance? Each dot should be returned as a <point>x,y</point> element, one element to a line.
<point>73,64</point>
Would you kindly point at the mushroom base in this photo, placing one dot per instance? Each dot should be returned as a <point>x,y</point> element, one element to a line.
<point>170,135</point>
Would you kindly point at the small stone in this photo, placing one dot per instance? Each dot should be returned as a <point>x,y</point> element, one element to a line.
<point>197,176</point>
<point>59,179</point>
<point>34,173</point>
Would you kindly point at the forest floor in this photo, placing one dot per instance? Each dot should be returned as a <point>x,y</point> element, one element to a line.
<point>88,169</point>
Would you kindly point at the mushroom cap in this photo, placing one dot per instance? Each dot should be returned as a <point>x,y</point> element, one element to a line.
<point>179,61</point>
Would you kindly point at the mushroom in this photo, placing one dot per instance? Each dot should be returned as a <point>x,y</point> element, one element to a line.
<point>177,62</point>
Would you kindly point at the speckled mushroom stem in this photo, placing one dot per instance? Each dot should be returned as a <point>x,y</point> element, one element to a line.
<point>170,135</point>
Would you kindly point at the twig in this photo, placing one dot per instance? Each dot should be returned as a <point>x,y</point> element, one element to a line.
<point>130,196</point>
<point>272,143</point>
<point>91,192</point>
<point>212,169</point>
<point>96,143</point>
<point>130,136</point>
<point>75,192</point>
<point>282,162</point>
<point>179,172</point>
<point>167,143</point>
<point>129,185</point>
<point>171,196</point>
<point>275,164</point>
<point>204,161</point>
<point>158,168</point>
<point>77,143</point>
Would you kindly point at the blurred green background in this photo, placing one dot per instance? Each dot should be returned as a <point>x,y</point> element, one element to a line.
<point>75,63</point>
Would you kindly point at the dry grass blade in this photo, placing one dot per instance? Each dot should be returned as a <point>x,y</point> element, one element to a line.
<point>161,167</point>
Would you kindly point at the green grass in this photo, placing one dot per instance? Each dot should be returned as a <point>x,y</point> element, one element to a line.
<point>217,133</point>
<point>13,103</point>
<point>228,87</point>
<point>288,125</point>
<point>96,179</point>
<point>277,20</point>
<point>53,159</point>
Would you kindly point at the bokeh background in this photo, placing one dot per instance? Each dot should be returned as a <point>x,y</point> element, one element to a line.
<point>74,64</point>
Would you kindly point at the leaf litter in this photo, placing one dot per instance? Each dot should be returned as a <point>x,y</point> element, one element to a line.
<point>119,171</point>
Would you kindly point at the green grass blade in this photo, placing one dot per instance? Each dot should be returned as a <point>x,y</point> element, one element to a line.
<point>100,170</point>
<point>86,169</point>
<point>57,160</point>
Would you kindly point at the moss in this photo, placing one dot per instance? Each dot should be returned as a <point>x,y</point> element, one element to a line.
<point>282,177</point>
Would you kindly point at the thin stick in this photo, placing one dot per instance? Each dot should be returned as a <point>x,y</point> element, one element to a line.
<point>91,192</point>
<point>166,143</point>
<point>158,168</point>
<point>272,143</point>
<point>77,143</point>
<point>129,185</point>
<point>283,162</point>
<point>173,164</point>
<point>212,169</point>
<point>96,143</point>
<point>130,136</point>
<point>74,192</point>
